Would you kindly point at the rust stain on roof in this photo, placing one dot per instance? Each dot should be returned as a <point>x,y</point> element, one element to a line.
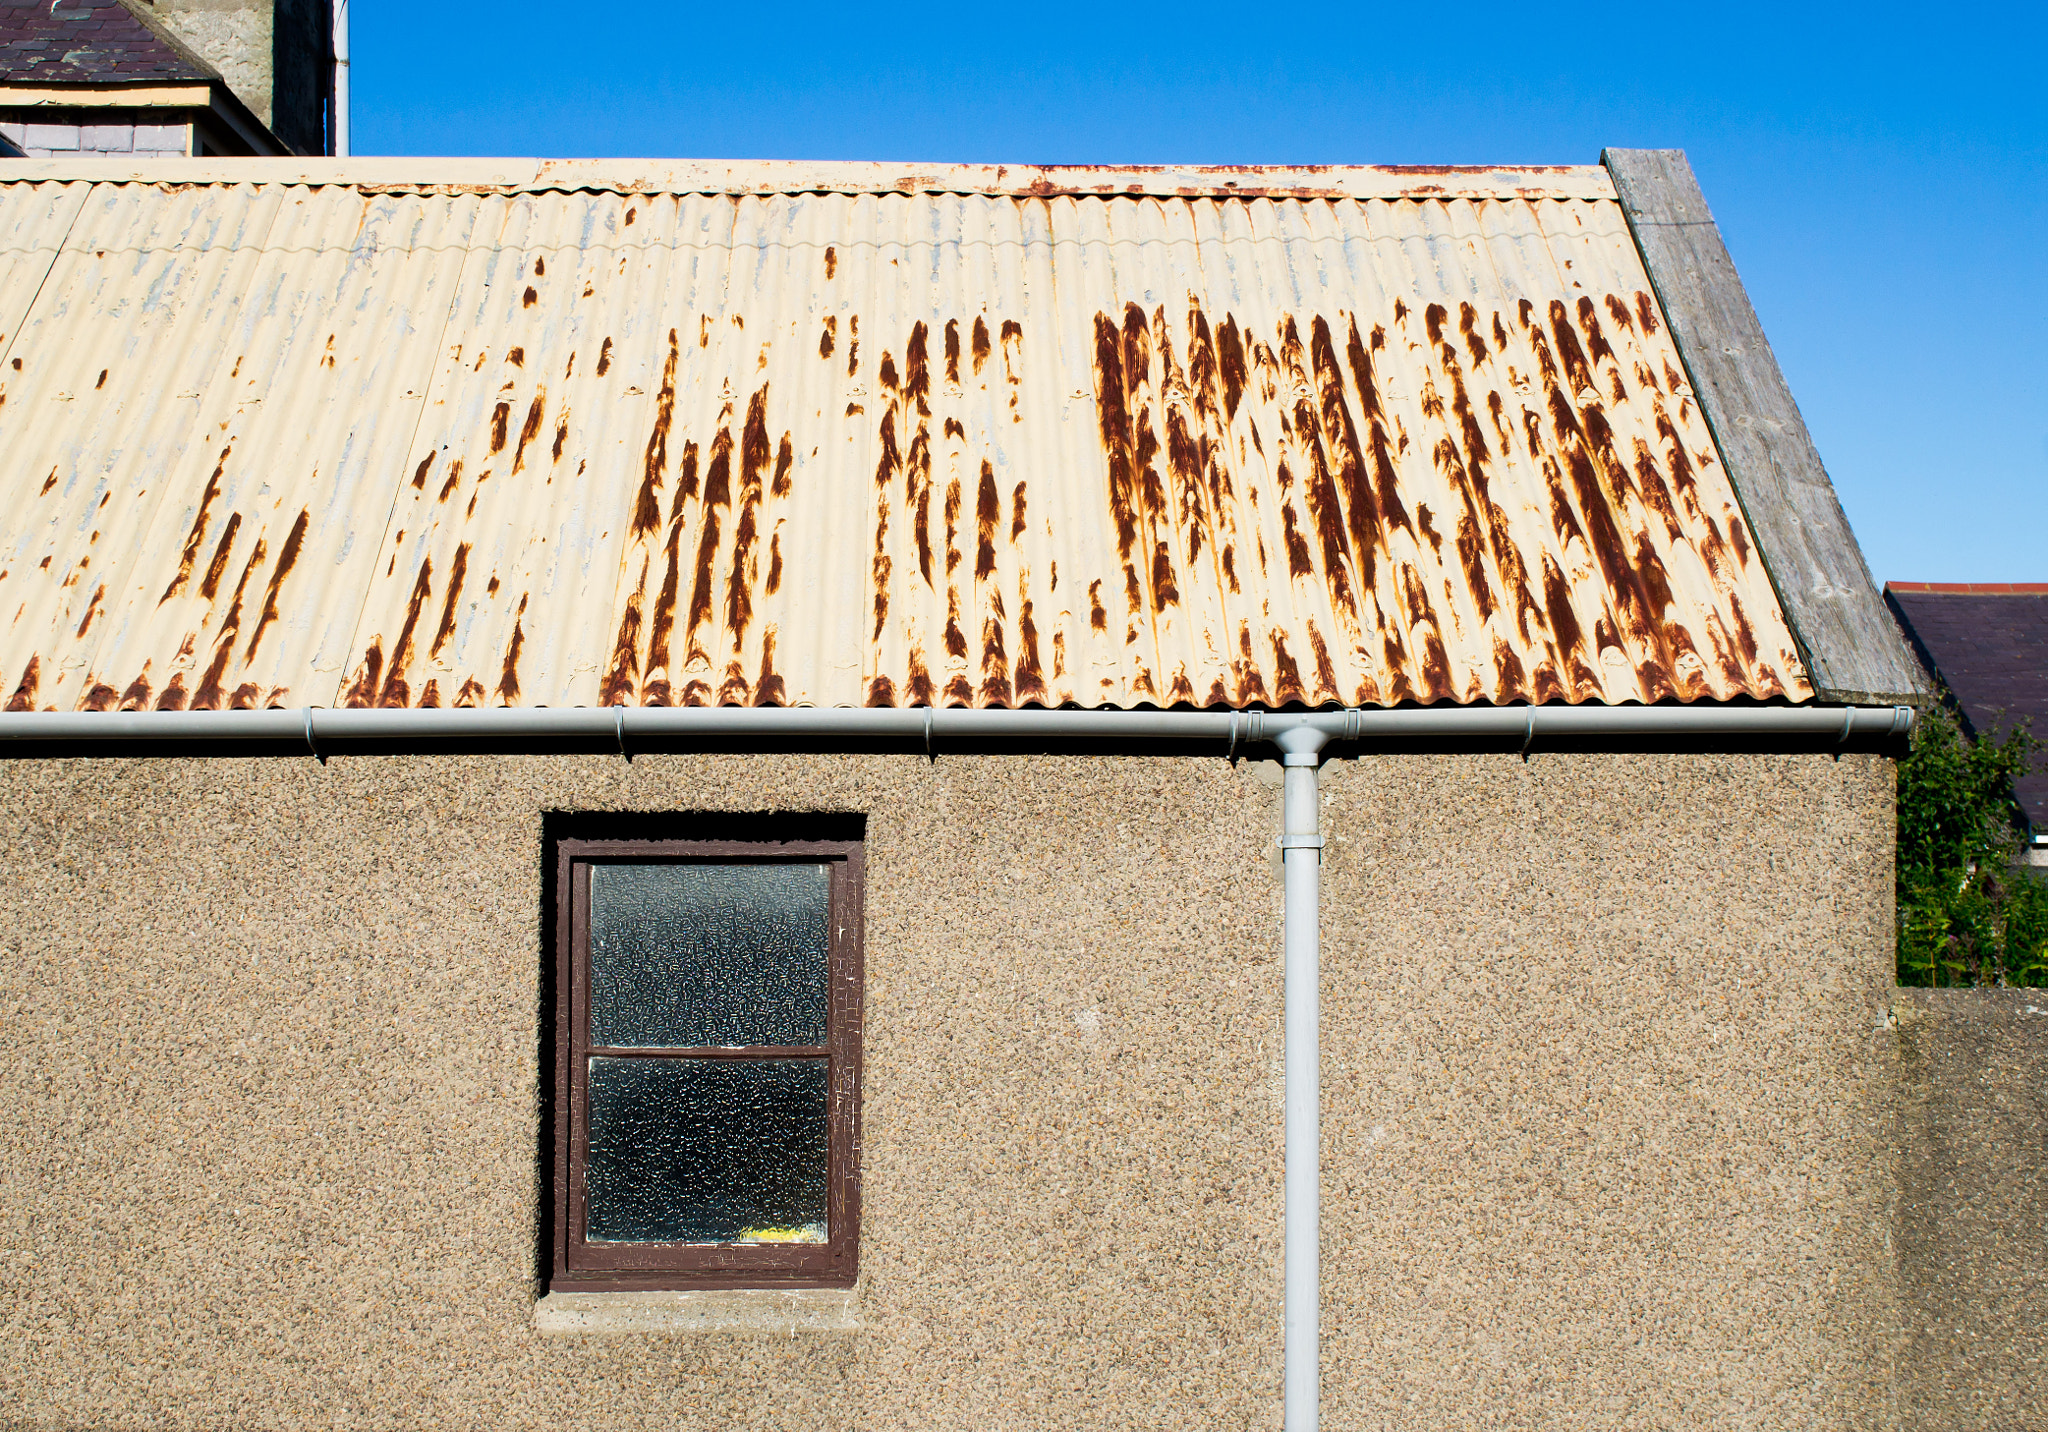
<point>856,448</point>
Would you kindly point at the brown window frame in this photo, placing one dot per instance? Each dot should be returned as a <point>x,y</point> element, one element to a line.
<point>580,1266</point>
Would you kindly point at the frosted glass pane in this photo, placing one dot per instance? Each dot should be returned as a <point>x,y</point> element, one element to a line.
<point>708,954</point>
<point>706,1151</point>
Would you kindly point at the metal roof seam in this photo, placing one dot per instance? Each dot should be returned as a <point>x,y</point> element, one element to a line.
<point>56,252</point>
<point>398,485</point>
<point>109,628</point>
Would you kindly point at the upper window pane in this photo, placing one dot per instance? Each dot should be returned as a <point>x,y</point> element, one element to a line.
<point>691,955</point>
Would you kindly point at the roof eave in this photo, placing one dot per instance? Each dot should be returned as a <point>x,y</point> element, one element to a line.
<point>211,98</point>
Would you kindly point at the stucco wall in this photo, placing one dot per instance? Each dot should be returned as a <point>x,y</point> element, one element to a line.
<point>1605,1071</point>
<point>1973,1215</point>
<point>1608,1085</point>
<point>234,36</point>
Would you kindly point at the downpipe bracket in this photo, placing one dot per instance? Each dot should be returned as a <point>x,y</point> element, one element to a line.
<point>1303,842</point>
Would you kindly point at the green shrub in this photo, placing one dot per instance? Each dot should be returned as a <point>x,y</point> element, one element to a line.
<point>1969,914</point>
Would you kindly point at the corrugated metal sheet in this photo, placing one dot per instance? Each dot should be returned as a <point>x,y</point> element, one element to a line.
<point>277,444</point>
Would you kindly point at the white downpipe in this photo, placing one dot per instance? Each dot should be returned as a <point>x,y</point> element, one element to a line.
<point>341,149</point>
<point>1301,854</point>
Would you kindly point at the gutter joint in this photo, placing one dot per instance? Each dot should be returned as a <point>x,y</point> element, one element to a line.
<point>1301,745</point>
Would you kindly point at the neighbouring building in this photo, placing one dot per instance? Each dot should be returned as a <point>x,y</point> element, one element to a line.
<point>1986,644</point>
<point>164,78</point>
<point>703,795</point>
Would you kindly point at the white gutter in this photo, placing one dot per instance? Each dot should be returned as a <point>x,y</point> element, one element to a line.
<point>340,135</point>
<point>1301,738</point>
<point>1520,728</point>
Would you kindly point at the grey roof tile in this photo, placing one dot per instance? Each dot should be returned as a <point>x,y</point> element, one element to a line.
<point>93,42</point>
<point>1988,643</point>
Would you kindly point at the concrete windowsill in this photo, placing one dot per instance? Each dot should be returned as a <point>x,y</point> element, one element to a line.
<point>780,1311</point>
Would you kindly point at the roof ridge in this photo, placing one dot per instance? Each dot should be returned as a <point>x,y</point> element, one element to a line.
<point>1976,589</point>
<point>729,176</point>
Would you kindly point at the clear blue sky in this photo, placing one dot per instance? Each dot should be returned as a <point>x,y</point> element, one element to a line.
<point>1880,172</point>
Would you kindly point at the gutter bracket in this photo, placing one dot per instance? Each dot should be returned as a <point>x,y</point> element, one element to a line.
<point>620,731</point>
<point>1530,739</point>
<point>309,738</point>
<point>929,754</point>
<point>1848,723</point>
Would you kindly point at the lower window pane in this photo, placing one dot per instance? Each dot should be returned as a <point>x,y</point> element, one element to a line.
<point>706,1151</point>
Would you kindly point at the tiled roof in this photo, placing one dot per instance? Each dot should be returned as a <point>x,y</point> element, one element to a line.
<point>1988,643</point>
<point>88,42</point>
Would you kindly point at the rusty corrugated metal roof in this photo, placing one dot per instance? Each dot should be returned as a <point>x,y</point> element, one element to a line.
<point>634,439</point>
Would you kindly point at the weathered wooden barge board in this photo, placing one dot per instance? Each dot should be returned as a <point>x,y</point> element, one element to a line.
<point>1852,648</point>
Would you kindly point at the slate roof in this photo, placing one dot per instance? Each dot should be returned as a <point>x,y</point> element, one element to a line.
<point>89,42</point>
<point>1988,643</point>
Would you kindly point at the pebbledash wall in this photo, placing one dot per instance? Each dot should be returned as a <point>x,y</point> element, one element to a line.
<point>1973,1181</point>
<point>1609,1086</point>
